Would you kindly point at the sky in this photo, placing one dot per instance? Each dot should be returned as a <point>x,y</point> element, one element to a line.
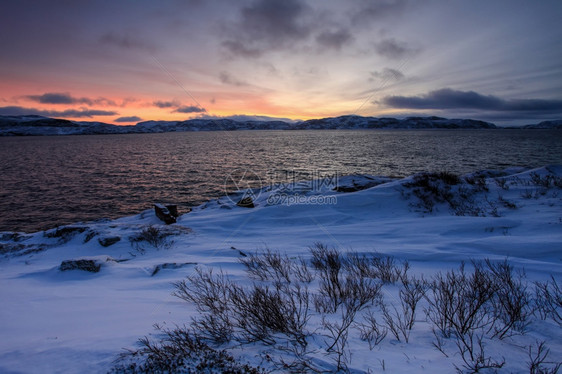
<point>127,61</point>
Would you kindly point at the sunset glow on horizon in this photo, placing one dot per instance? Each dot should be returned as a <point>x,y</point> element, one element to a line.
<point>122,62</point>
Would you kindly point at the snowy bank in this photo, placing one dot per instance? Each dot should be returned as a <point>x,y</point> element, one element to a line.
<point>56,318</point>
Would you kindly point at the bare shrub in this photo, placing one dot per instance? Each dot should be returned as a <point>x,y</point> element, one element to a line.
<point>302,272</point>
<point>179,351</point>
<point>433,188</point>
<point>460,301</point>
<point>261,312</point>
<point>210,293</point>
<point>268,265</point>
<point>229,311</point>
<point>506,203</point>
<point>511,302</point>
<point>338,332</point>
<point>153,236</point>
<point>371,330</point>
<point>343,280</point>
<point>467,306</point>
<point>360,265</point>
<point>388,270</point>
<point>276,267</point>
<point>473,354</point>
<point>396,321</point>
<point>478,180</point>
<point>400,321</point>
<point>459,194</point>
<point>538,363</point>
<point>412,291</point>
<point>466,310</point>
<point>549,300</point>
<point>502,183</point>
<point>547,181</point>
<point>329,264</point>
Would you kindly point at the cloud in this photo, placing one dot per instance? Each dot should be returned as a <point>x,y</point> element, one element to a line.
<point>125,41</point>
<point>248,117</point>
<point>190,109</point>
<point>84,113</point>
<point>128,119</point>
<point>267,25</point>
<point>69,113</point>
<point>56,98</point>
<point>447,98</point>
<point>239,49</point>
<point>66,98</point>
<point>334,39</point>
<point>388,74</point>
<point>378,10</point>
<point>126,101</point>
<point>393,49</point>
<point>166,104</point>
<point>227,78</point>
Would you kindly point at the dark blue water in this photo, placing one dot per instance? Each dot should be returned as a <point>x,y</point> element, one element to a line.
<point>50,181</point>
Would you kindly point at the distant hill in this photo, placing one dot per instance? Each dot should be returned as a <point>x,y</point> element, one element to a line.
<point>545,125</point>
<point>38,125</point>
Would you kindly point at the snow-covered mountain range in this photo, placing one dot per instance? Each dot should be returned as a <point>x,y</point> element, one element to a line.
<point>38,125</point>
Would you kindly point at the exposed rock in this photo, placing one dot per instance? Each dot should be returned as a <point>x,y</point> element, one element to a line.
<point>65,233</point>
<point>92,266</point>
<point>246,202</point>
<point>166,213</point>
<point>355,183</point>
<point>90,234</point>
<point>108,240</point>
<point>10,248</point>
<point>170,265</point>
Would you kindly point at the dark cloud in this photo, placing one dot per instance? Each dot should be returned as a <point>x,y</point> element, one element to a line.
<point>249,117</point>
<point>190,109</point>
<point>66,98</point>
<point>388,74</point>
<point>128,119</point>
<point>125,41</point>
<point>451,99</point>
<point>372,11</point>
<point>166,104</point>
<point>239,49</point>
<point>334,39</point>
<point>267,25</point>
<point>393,49</point>
<point>85,113</point>
<point>57,98</point>
<point>227,78</point>
<point>69,113</point>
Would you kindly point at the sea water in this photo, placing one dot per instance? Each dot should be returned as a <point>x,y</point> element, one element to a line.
<point>51,181</point>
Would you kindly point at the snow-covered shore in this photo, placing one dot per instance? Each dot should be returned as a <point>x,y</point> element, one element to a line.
<point>79,321</point>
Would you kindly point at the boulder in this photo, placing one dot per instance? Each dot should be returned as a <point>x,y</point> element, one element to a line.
<point>91,266</point>
<point>108,240</point>
<point>167,213</point>
<point>246,202</point>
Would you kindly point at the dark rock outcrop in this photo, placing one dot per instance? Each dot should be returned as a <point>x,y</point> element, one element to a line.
<point>167,213</point>
<point>108,240</point>
<point>246,202</point>
<point>88,265</point>
<point>170,265</point>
